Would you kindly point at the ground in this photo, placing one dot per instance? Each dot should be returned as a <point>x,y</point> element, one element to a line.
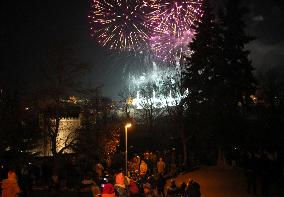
<point>216,182</point>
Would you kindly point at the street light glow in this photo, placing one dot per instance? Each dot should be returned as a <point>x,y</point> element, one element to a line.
<point>128,125</point>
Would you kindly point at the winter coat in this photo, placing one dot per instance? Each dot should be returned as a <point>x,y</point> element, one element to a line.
<point>143,168</point>
<point>108,190</point>
<point>10,187</point>
<point>161,166</point>
<point>120,180</point>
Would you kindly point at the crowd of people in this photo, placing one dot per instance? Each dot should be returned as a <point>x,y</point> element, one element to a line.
<point>146,176</point>
<point>153,163</point>
<point>149,174</point>
<point>124,186</point>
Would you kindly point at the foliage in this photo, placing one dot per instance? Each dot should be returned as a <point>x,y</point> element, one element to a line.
<point>219,74</point>
<point>202,76</point>
<point>270,106</point>
<point>149,112</point>
<point>176,115</point>
<point>239,80</point>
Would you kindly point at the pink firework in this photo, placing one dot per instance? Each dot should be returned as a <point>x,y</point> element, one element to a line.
<point>120,24</point>
<point>172,26</point>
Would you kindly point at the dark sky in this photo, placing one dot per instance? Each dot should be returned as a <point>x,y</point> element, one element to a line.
<point>27,28</point>
<point>266,23</point>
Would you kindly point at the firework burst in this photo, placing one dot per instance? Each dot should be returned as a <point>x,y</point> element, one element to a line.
<point>120,24</point>
<point>172,24</point>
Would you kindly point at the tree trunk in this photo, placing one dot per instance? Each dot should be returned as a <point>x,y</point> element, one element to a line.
<point>53,145</point>
<point>54,137</point>
<point>184,147</point>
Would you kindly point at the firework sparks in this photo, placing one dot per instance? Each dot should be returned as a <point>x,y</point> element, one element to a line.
<point>158,87</point>
<point>120,24</point>
<point>172,28</point>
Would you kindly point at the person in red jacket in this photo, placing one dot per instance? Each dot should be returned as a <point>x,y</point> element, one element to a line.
<point>108,190</point>
<point>10,187</point>
<point>121,184</point>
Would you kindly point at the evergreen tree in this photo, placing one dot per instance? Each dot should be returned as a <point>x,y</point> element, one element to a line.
<point>239,81</point>
<point>219,72</point>
<point>203,68</point>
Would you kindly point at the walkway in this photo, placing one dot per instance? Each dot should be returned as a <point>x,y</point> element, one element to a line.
<point>216,182</point>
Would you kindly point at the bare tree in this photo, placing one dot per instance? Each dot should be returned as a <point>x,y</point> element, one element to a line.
<point>176,109</point>
<point>150,110</point>
<point>126,100</point>
<point>62,75</point>
<point>100,130</point>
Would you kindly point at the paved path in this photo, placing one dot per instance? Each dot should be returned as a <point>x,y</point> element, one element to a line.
<point>216,182</point>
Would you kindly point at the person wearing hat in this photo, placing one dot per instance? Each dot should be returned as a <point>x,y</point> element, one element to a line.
<point>10,187</point>
<point>107,190</point>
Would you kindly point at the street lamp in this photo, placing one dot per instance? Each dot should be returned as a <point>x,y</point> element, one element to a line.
<point>126,126</point>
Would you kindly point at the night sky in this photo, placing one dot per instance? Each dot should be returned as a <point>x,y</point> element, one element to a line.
<point>27,28</point>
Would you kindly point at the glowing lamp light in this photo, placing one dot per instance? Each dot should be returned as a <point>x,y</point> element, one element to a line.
<point>128,125</point>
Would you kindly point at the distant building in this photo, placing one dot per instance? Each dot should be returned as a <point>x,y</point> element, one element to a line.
<point>71,121</point>
<point>67,132</point>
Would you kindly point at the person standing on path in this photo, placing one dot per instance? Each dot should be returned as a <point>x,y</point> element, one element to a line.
<point>143,168</point>
<point>107,188</point>
<point>250,173</point>
<point>161,182</point>
<point>10,187</point>
<point>161,166</point>
<point>99,170</point>
<point>121,184</point>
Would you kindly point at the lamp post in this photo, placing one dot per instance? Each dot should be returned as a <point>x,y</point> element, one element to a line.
<point>126,126</point>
